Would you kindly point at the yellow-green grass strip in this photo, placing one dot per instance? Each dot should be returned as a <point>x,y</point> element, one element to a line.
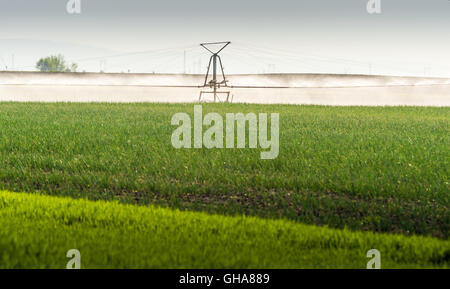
<point>37,231</point>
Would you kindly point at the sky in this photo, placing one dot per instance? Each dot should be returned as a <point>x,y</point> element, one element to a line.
<point>408,37</point>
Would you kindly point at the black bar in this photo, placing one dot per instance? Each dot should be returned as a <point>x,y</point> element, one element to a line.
<point>226,278</point>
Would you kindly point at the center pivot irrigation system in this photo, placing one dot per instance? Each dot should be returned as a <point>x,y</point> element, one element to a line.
<point>214,83</point>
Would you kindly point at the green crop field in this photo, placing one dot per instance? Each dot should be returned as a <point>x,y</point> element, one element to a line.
<point>380,173</point>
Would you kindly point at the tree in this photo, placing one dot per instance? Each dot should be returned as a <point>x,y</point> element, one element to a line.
<point>55,63</point>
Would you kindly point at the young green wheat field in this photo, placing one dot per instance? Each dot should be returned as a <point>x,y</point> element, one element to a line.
<point>106,180</point>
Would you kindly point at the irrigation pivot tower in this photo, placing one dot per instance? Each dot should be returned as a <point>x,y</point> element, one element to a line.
<point>214,83</point>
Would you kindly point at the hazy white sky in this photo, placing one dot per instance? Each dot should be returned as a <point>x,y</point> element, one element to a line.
<point>409,37</point>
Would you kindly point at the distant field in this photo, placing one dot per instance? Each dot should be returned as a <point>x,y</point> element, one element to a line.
<point>372,169</point>
<point>37,231</point>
